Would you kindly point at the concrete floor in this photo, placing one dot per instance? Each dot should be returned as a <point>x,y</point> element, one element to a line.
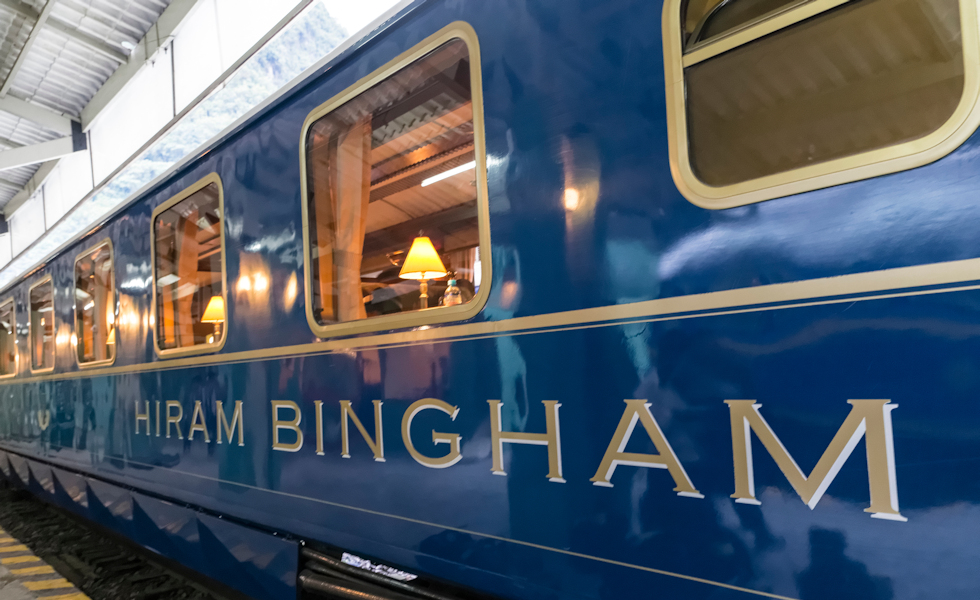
<point>11,588</point>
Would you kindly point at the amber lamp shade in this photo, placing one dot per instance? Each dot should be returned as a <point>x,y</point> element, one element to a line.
<point>422,263</point>
<point>215,311</point>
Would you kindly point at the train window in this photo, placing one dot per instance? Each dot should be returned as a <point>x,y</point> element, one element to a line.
<point>188,270</point>
<point>708,20</point>
<point>8,339</point>
<point>95,307</point>
<point>42,325</point>
<point>393,193</point>
<point>772,97</point>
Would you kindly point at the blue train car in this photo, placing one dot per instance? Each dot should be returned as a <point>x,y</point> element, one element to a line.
<point>538,299</point>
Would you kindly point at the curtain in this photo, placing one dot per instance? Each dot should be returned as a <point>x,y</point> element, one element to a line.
<point>165,237</point>
<point>341,172</point>
<point>99,327</point>
<point>187,271</point>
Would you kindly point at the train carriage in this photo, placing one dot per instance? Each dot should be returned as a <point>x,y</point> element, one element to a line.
<point>534,299</point>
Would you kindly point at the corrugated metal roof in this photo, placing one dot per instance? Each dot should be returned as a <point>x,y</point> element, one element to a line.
<point>79,46</point>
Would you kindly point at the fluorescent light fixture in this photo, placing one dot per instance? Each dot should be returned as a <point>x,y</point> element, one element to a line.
<point>90,305</point>
<point>449,173</point>
<point>167,279</point>
<point>186,290</point>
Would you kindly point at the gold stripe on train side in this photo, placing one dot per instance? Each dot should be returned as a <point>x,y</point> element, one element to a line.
<point>959,275</point>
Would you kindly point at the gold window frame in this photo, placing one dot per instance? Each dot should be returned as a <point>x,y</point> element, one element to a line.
<point>115,298</point>
<point>47,279</point>
<point>174,200</point>
<point>882,161</point>
<point>458,30</point>
<point>13,312</point>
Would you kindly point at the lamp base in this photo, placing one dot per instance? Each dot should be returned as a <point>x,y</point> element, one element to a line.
<point>423,293</point>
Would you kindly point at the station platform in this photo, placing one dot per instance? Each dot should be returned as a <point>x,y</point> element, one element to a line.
<point>24,576</point>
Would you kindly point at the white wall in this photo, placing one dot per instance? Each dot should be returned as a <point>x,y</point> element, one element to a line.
<point>27,223</point>
<point>68,183</point>
<point>5,250</point>
<point>242,23</point>
<point>214,36</point>
<point>197,58</point>
<point>143,107</point>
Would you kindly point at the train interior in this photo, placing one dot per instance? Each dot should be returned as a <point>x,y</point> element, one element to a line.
<point>387,168</point>
<point>188,271</point>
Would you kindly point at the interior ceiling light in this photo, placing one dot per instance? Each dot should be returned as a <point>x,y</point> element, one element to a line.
<point>449,173</point>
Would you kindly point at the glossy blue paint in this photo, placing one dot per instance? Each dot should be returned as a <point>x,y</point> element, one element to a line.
<point>571,88</point>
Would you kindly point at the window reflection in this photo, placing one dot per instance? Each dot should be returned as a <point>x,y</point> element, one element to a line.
<point>386,170</point>
<point>857,78</point>
<point>95,319</point>
<point>8,333</point>
<point>188,271</point>
<point>42,326</point>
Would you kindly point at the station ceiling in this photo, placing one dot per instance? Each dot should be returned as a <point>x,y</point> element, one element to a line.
<point>56,54</point>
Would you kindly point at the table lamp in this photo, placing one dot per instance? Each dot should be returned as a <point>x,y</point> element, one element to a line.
<point>422,263</point>
<point>214,313</point>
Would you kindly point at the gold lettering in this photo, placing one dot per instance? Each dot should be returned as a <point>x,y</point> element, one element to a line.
<point>198,424</point>
<point>318,408</point>
<point>173,419</point>
<point>292,424</point>
<point>452,439</point>
<point>157,402</point>
<point>145,417</point>
<point>551,438</point>
<point>237,422</point>
<point>870,419</point>
<point>377,446</point>
<point>638,411</point>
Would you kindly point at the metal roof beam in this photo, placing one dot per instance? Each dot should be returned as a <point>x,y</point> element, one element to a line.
<point>42,116</point>
<point>94,44</point>
<point>35,153</point>
<point>28,190</point>
<point>22,55</point>
<point>45,151</point>
<point>84,39</point>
